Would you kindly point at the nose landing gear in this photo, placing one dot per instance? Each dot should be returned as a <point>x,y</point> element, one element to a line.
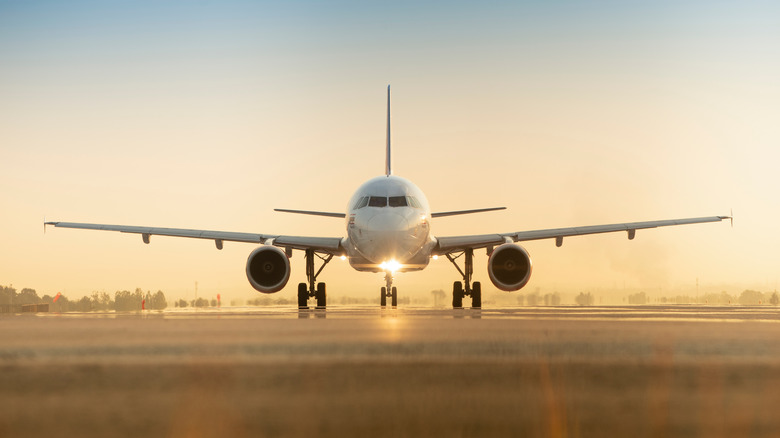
<point>389,291</point>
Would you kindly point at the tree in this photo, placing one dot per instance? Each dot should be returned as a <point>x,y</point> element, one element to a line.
<point>126,301</point>
<point>775,299</point>
<point>7,295</point>
<point>637,298</point>
<point>84,304</point>
<point>158,301</point>
<point>750,297</point>
<point>27,296</point>
<point>584,299</point>
<point>101,301</point>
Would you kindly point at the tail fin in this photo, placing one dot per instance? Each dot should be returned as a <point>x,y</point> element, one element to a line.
<point>388,168</point>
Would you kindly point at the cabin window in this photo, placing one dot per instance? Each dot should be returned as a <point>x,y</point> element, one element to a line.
<point>398,201</point>
<point>377,201</point>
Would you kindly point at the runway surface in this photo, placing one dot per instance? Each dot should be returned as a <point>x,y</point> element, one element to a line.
<point>642,371</point>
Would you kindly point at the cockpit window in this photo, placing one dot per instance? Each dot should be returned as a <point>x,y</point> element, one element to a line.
<point>362,202</point>
<point>413,202</point>
<point>377,201</point>
<point>398,201</point>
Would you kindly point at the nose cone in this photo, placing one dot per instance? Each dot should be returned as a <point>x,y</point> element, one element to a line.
<point>389,236</point>
<point>389,222</point>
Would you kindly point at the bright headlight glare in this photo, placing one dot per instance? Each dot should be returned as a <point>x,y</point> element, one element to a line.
<point>391,266</point>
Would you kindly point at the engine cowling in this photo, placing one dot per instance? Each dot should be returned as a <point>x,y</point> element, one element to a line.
<point>268,269</point>
<point>509,267</point>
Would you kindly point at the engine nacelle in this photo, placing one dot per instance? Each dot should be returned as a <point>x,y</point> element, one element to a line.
<point>509,267</point>
<point>268,269</point>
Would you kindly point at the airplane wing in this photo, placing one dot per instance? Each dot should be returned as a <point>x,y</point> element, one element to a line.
<point>331,245</point>
<point>450,244</point>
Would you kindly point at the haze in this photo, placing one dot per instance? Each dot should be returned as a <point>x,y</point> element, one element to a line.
<point>211,115</point>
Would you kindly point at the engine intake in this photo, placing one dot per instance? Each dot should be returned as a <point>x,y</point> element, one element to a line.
<point>268,269</point>
<point>509,267</point>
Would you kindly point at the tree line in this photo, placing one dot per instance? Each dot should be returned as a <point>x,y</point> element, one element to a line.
<point>122,301</point>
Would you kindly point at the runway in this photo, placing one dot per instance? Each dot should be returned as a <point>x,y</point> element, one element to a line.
<point>364,371</point>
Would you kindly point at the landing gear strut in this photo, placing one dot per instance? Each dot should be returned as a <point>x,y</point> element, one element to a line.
<point>389,291</point>
<point>465,288</point>
<point>305,291</point>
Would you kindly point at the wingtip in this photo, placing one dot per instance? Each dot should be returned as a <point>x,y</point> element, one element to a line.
<point>730,217</point>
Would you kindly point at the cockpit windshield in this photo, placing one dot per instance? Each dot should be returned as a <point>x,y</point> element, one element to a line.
<point>397,201</point>
<point>377,201</point>
<point>391,201</point>
<point>362,202</point>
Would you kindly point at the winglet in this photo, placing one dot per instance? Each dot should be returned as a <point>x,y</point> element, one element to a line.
<point>388,169</point>
<point>730,217</point>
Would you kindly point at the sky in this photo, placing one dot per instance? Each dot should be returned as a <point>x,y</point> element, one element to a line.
<point>209,115</point>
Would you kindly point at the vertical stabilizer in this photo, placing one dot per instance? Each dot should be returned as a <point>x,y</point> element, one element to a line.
<point>388,168</point>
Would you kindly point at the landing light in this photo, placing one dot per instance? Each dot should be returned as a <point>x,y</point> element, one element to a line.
<point>343,257</point>
<point>391,266</point>
<point>435,257</point>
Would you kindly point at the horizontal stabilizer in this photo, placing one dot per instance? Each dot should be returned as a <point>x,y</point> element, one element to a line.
<point>313,213</point>
<point>455,213</point>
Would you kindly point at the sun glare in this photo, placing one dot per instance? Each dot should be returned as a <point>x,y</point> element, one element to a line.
<point>391,266</point>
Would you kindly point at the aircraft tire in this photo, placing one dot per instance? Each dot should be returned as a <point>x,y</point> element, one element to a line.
<point>394,297</point>
<point>457,295</point>
<point>321,296</point>
<point>383,299</point>
<point>476,295</point>
<point>303,296</point>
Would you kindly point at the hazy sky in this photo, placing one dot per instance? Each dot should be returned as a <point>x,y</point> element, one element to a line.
<point>210,114</point>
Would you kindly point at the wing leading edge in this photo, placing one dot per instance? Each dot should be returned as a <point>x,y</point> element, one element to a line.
<point>330,245</point>
<point>457,243</point>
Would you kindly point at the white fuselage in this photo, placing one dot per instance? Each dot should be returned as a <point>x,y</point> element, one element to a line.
<point>388,226</point>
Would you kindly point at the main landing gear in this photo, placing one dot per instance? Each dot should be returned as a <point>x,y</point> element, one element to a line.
<point>465,288</point>
<point>306,291</point>
<point>389,291</point>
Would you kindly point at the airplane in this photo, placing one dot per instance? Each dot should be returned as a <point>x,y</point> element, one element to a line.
<point>388,227</point>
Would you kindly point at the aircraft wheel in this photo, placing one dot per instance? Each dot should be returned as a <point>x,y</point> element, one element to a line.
<point>394,297</point>
<point>476,295</point>
<point>457,295</point>
<point>303,296</point>
<point>321,296</point>
<point>383,299</point>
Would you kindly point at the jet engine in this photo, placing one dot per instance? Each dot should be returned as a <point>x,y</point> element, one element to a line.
<point>268,269</point>
<point>509,267</point>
